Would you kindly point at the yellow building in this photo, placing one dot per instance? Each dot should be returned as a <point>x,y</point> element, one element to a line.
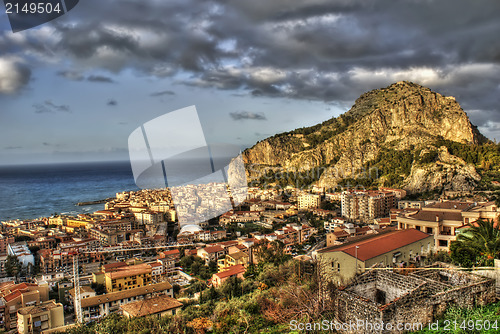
<point>71,222</point>
<point>232,260</point>
<point>387,249</point>
<point>36,318</point>
<point>128,277</point>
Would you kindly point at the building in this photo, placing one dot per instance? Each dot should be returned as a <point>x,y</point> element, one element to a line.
<point>308,201</point>
<point>149,217</point>
<point>443,219</point>
<point>367,205</point>
<point>22,252</point>
<point>128,277</point>
<point>386,249</point>
<point>236,271</point>
<point>233,259</point>
<point>413,300</point>
<point>36,318</point>
<point>4,242</point>
<point>16,296</point>
<point>102,305</point>
<point>212,253</point>
<point>334,222</point>
<point>156,306</point>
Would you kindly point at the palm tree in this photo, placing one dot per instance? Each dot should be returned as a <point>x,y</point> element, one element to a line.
<point>483,235</point>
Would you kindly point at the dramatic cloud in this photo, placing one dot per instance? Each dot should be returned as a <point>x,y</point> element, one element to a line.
<point>243,115</point>
<point>49,107</point>
<point>162,93</point>
<point>321,50</point>
<point>14,75</point>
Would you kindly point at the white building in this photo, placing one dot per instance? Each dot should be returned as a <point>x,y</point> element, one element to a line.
<point>22,252</point>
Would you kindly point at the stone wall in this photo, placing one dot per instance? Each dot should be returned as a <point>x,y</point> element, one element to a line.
<point>417,298</point>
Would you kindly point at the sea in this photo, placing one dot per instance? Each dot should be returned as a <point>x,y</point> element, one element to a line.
<point>33,191</point>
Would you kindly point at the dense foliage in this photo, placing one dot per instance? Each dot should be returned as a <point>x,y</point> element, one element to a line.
<point>468,320</point>
<point>478,245</point>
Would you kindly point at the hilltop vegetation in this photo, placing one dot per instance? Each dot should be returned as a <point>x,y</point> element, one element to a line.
<point>412,137</point>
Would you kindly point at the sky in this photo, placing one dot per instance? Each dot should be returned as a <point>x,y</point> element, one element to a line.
<point>75,88</point>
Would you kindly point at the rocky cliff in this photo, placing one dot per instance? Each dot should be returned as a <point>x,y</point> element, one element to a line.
<point>404,116</point>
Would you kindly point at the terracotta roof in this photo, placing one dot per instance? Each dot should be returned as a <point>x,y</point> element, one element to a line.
<point>430,216</point>
<point>379,244</point>
<point>230,271</point>
<point>213,249</point>
<point>126,271</point>
<point>451,205</point>
<point>239,255</point>
<point>113,266</point>
<point>12,296</point>
<point>171,252</point>
<point>114,296</point>
<point>151,306</point>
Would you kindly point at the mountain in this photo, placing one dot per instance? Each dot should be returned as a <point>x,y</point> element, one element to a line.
<point>402,134</point>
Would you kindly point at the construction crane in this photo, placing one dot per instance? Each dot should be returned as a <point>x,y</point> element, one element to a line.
<point>76,275</point>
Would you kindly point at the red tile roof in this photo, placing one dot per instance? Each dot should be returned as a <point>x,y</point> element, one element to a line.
<point>213,249</point>
<point>379,244</point>
<point>230,271</point>
<point>12,296</point>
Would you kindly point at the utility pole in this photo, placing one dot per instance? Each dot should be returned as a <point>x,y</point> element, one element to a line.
<point>76,282</point>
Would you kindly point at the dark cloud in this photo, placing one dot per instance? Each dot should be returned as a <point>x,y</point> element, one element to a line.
<point>162,93</point>
<point>243,115</point>
<point>79,76</point>
<point>49,107</point>
<point>322,50</point>
<point>100,78</point>
<point>112,103</point>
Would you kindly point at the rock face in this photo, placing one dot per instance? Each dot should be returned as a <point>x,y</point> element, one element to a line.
<point>399,117</point>
<point>448,173</point>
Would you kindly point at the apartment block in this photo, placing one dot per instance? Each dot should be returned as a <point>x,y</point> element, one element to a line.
<point>367,205</point>
<point>102,305</point>
<point>308,201</point>
<point>128,277</point>
<point>36,318</point>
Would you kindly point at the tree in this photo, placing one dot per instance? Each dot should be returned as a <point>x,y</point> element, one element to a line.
<point>12,266</point>
<point>484,236</point>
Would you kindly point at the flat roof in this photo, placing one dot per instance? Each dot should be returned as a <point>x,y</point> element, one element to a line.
<point>36,309</point>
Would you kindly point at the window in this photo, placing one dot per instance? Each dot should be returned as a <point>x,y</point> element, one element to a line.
<point>443,243</point>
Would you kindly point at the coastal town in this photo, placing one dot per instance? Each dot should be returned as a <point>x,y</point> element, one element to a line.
<point>134,258</point>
